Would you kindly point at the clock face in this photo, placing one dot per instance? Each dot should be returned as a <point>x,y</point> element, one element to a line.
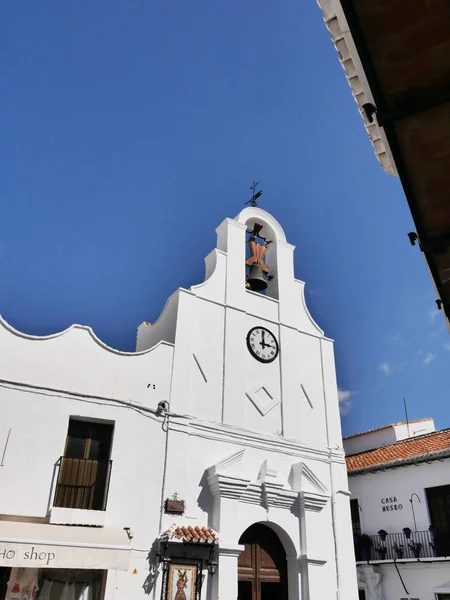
<point>262,344</point>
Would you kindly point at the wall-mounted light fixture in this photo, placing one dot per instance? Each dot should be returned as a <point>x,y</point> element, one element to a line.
<point>163,557</point>
<point>212,567</point>
<point>212,563</point>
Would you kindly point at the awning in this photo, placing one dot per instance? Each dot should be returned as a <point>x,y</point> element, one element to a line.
<point>442,589</point>
<point>62,547</point>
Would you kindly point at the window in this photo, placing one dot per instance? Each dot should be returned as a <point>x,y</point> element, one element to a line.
<point>439,506</point>
<point>438,499</point>
<point>356,523</point>
<point>55,584</point>
<point>84,469</point>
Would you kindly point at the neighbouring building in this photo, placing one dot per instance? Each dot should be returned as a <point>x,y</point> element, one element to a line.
<point>396,57</point>
<point>208,464</point>
<point>399,478</point>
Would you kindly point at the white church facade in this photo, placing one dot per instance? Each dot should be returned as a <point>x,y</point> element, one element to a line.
<point>206,465</point>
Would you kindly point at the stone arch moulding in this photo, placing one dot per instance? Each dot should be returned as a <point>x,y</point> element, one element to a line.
<point>249,215</point>
<point>284,537</point>
<point>269,555</point>
<point>272,231</point>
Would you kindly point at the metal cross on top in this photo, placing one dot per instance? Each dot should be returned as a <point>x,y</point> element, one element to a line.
<point>255,194</point>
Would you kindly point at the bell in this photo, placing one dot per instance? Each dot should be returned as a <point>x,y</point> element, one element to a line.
<point>256,280</point>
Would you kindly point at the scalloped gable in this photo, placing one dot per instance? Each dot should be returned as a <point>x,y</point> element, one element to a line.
<point>75,360</point>
<point>74,326</point>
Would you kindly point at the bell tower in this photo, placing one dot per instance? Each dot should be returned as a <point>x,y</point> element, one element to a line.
<point>253,423</point>
<point>247,352</point>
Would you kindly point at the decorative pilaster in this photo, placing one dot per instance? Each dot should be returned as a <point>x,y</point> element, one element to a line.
<point>225,582</point>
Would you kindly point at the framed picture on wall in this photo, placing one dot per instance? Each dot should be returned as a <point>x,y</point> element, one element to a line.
<point>182,581</point>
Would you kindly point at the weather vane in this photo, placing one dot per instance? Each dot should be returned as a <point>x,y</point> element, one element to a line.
<point>255,194</point>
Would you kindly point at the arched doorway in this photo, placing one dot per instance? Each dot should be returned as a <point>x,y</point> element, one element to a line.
<point>262,568</point>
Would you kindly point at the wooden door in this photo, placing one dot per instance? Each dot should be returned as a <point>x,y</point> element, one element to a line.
<point>262,569</point>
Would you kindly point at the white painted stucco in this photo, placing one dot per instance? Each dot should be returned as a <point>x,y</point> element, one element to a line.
<point>404,485</point>
<point>402,482</point>
<point>383,436</point>
<point>243,442</point>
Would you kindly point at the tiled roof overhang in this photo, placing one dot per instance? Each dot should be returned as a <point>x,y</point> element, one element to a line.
<point>401,462</point>
<point>341,37</point>
<point>415,450</point>
<point>403,50</point>
<point>190,534</point>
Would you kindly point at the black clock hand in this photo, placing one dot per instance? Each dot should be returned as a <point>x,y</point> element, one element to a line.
<point>263,335</point>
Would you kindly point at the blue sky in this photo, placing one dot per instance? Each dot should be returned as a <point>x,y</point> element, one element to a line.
<point>132,129</point>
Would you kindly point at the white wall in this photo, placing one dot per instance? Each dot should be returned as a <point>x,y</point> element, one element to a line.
<point>362,442</point>
<point>213,376</point>
<point>369,441</point>
<point>413,429</point>
<point>47,381</point>
<point>233,464</point>
<point>401,483</point>
<point>420,579</point>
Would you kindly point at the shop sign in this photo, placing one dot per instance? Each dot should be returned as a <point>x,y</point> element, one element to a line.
<point>62,556</point>
<point>390,503</point>
<point>32,555</point>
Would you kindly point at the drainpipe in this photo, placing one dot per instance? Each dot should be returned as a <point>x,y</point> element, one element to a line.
<point>165,427</point>
<point>335,536</point>
<point>333,521</point>
<point>401,579</point>
<point>412,507</point>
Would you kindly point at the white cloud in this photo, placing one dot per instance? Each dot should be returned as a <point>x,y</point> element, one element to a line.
<point>434,334</point>
<point>432,314</point>
<point>446,345</point>
<point>386,368</point>
<point>398,339</point>
<point>429,357</point>
<point>345,401</point>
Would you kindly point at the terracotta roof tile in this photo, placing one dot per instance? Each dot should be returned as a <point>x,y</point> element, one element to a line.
<point>420,447</point>
<point>179,533</point>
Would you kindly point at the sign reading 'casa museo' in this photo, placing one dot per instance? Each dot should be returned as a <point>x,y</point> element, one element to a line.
<point>390,503</point>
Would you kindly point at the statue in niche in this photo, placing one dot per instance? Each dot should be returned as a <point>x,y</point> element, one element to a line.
<point>373,585</point>
<point>258,270</point>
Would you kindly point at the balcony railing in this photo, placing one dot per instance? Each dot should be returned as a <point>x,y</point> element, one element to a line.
<point>419,544</point>
<point>82,483</point>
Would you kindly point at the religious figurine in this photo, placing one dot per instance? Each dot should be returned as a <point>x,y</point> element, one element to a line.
<point>181,585</point>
